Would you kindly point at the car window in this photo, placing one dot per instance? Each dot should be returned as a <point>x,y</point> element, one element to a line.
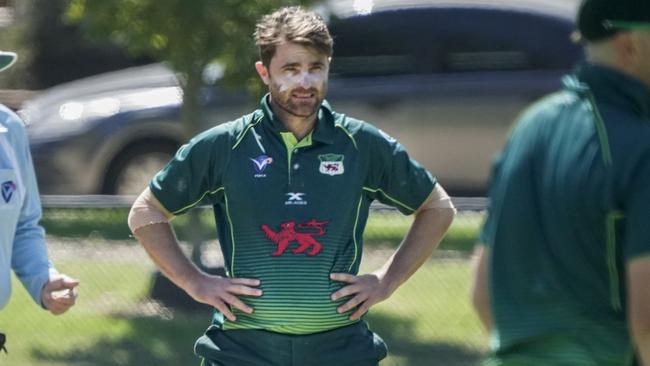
<point>493,39</point>
<point>378,44</point>
<point>440,40</point>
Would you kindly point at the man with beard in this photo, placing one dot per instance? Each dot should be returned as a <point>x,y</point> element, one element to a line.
<point>291,185</point>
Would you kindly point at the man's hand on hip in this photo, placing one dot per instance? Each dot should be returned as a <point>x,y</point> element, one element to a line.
<point>223,292</point>
<point>365,291</point>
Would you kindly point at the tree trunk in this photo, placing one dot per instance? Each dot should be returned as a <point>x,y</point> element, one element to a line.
<point>191,118</point>
<point>191,109</point>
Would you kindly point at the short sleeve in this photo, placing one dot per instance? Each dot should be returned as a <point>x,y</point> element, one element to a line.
<point>486,236</point>
<point>637,229</point>
<point>194,174</point>
<point>396,179</point>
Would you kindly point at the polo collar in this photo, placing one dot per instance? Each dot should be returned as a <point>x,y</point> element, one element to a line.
<point>612,86</point>
<point>324,129</point>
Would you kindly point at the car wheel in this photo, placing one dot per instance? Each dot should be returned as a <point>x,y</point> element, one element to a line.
<point>132,170</point>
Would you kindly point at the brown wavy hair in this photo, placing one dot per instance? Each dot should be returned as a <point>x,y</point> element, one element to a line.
<point>292,24</point>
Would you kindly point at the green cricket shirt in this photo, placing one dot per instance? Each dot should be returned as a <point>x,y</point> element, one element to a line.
<point>290,213</point>
<point>569,207</point>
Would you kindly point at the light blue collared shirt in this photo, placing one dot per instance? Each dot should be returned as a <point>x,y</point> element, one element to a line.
<point>22,239</point>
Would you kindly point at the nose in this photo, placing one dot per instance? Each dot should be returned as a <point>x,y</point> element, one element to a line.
<point>305,80</point>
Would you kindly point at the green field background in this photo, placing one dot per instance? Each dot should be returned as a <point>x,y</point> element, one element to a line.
<point>428,321</point>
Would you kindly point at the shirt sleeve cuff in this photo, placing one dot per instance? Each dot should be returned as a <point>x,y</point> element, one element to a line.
<point>34,285</point>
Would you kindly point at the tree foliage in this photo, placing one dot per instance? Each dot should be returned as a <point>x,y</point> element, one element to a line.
<point>188,35</point>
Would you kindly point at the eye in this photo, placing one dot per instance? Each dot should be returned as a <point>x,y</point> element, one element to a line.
<point>290,69</point>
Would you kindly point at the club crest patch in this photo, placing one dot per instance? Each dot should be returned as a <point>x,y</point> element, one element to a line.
<point>8,189</point>
<point>260,164</point>
<point>331,164</point>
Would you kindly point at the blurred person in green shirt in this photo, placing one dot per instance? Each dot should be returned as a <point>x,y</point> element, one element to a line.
<point>563,263</point>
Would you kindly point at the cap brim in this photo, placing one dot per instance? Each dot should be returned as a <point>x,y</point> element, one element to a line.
<point>616,24</point>
<point>7,59</point>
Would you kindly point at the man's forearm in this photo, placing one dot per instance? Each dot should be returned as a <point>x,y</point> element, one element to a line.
<point>149,222</point>
<point>638,273</point>
<point>159,242</point>
<point>219,292</point>
<point>480,289</point>
<point>426,232</point>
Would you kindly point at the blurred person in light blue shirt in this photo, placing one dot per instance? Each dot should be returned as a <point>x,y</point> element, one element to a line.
<point>22,239</point>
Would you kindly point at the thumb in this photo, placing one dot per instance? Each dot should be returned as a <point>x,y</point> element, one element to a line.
<point>63,282</point>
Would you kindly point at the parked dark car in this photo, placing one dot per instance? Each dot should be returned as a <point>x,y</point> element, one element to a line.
<point>446,78</point>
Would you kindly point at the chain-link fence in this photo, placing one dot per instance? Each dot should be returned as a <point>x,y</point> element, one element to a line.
<point>127,314</point>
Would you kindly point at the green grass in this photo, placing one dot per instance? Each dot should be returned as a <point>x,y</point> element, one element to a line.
<point>388,229</point>
<point>111,223</point>
<point>428,321</point>
<point>108,326</point>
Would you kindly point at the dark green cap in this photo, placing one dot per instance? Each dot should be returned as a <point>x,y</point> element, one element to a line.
<point>599,19</point>
<point>7,59</point>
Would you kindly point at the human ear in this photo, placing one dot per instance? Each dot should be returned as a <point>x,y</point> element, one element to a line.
<point>263,72</point>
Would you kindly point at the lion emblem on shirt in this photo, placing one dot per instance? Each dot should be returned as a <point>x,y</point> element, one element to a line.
<point>304,238</point>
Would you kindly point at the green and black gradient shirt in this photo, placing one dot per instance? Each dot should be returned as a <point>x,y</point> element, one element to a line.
<point>291,212</point>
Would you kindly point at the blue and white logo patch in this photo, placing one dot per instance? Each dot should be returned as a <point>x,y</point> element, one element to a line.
<point>8,188</point>
<point>260,164</point>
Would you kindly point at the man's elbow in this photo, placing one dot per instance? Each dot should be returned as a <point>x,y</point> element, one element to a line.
<point>449,216</point>
<point>444,218</point>
<point>439,208</point>
<point>145,211</point>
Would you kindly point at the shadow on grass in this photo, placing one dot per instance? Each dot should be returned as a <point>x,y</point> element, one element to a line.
<point>463,242</point>
<point>155,341</point>
<point>150,341</point>
<point>397,332</point>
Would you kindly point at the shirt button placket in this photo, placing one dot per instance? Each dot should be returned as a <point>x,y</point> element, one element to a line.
<point>295,167</point>
<point>292,166</point>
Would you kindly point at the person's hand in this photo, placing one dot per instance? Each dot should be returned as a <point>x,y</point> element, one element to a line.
<point>222,292</point>
<point>59,293</point>
<point>365,291</point>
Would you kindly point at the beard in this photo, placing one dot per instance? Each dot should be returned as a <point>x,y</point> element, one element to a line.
<point>306,104</point>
